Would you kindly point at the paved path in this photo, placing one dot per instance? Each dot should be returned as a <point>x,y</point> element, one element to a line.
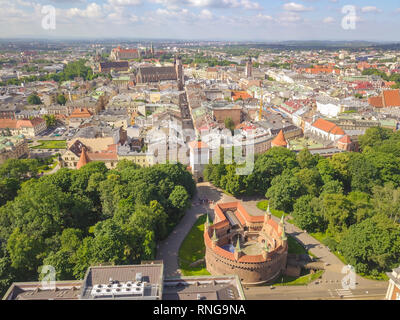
<point>328,284</point>
<point>169,248</point>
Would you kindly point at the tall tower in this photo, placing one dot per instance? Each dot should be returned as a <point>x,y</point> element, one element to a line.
<point>249,68</point>
<point>152,50</point>
<point>179,72</point>
<point>199,157</point>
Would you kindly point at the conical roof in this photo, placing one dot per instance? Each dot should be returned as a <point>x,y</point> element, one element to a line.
<point>237,248</point>
<point>345,139</point>
<point>83,159</point>
<point>279,140</point>
<point>214,237</point>
<point>268,210</point>
<point>283,235</point>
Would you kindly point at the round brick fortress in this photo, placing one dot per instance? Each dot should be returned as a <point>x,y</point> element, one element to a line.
<point>252,247</point>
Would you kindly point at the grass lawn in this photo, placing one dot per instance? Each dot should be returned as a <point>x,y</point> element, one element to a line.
<point>51,144</point>
<point>300,281</point>
<point>263,205</point>
<point>193,249</point>
<point>295,247</point>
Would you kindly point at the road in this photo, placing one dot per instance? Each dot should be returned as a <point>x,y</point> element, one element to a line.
<point>327,287</point>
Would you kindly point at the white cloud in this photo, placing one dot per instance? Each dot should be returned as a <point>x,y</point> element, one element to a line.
<point>296,7</point>
<point>328,20</point>
<point>206,14</point>
<point>371,9</point>
<point>177,4</point>
<point>93,10</point>
<point>124,3</point>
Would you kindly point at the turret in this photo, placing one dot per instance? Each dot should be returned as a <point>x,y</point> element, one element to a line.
<point>214,239</point>
<point>207,224</point>
<point>265,250</point>
<point>238,251</point>
<point>283,237</point>
<point>281,224</point>
<point>268,214</point>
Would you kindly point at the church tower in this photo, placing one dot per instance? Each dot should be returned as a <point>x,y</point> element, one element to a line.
<point>249,68</point>
<point>179,72</point>
<point>152,50</point>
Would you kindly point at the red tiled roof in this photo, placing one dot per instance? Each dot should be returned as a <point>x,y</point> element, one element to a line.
<point>102,156</point>
<point>8,123</point>
<point>80,113</point>
<point>328,126</point>
<point>279,140</point>
<point>391,98</point>
<point>240,95</point>
<point>22,123</point>
<point>345,139</point>
<point>376,102</point>
<point>83,159</point>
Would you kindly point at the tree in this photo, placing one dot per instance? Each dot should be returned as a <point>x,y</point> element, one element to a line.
<point>24,250</point>
<point>337,210</point>
<point>179,198</point>
<point>374,136</point>
<point>109,243</point>
<point>372,246</point>
<point>332,187</point>
<point>284,190</point>
<point>232,182</point>
<point>229,124</point>
<point>386,200</point>
<point>305,216</point>
<point>362,172</point>
<point>310,180</point>
<point>50,120</point>
<point>306,159</point>
<point>61,100</point>
<point>269,165</point>
<point>34,99</point>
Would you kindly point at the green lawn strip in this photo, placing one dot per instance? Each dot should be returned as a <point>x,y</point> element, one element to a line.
<point>51,144</point>
<point>295,247</point>
<point>300,281</point>
<point>263,205</point>
<point>193,249</point>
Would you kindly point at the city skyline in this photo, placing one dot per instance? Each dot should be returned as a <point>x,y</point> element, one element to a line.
<point>230,20</point>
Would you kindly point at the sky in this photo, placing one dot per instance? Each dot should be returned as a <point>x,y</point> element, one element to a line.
<point>232,20</point>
